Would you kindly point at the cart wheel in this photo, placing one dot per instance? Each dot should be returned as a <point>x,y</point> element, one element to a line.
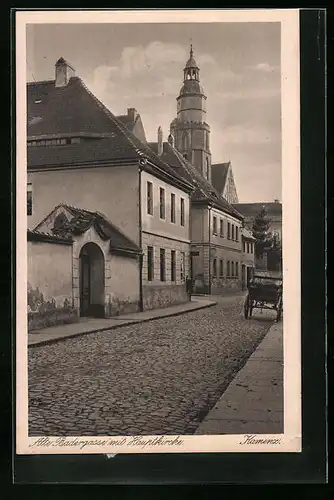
<point>246,307</point>
<point>279,310</point>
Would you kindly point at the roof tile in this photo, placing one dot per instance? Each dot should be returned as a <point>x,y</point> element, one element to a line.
<point>204,190</point>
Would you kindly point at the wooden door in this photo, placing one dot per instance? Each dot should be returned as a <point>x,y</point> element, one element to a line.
<point>85,285</point>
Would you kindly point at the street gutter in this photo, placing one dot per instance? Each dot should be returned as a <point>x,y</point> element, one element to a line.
<point>114,327</point>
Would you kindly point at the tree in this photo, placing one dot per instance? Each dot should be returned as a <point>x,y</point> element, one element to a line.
<point>275,254</point>
<point>261,232</point>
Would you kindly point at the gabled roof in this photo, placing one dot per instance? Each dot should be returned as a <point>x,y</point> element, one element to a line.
<point>252,209</point>
<point>126,120</point>
<point>204,190</point>
<point>82,220</point>
<point>73,111</point>
<point>33,235</point>
<point>247,234</point>
<point>219,173</point>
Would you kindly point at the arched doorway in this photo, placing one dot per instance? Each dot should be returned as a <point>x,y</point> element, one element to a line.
<point>91,281</point>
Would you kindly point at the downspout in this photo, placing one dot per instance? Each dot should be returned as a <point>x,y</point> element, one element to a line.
<point>141,301</point>
<point>209,250</point>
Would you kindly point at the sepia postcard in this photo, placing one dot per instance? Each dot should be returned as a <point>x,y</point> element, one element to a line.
<point>158,231</point>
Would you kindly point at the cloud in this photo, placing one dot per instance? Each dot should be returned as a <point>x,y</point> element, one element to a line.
<point>256,93</point>
<point>248,134</point>
<point>264,67</point>
<point>155,56</point>
<point>243,105</point>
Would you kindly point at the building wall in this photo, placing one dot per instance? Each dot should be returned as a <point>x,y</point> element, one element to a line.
<point>227,281</point>
<point>121,275</point>
<point>207,246</point>
<point>157,293</point>
<point>164,227</point>
<point>50,297</point>
<point>50,270</point>
<point>199,225</point>
<point>96,189</point>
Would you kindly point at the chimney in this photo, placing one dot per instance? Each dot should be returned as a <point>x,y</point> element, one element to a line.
<point>160,142</point>
<point>64,73</point>
<point>132,114</point>
<point>171,140</point>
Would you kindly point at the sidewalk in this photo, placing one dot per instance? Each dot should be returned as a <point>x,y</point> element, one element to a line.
<point>253,402</point>
<point>92,325</point>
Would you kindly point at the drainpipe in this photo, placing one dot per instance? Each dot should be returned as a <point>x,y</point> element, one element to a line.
<point>141,301</point>
<point>209,250</point>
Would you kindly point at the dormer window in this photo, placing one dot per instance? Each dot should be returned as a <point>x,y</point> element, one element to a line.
<point>55,142</point>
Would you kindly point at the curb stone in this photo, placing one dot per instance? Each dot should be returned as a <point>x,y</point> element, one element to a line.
<point>114,327</point>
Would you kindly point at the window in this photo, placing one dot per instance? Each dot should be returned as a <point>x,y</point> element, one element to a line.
<point>150,264</point>
<point>244,246</point>
<point>228,230</point>
<point>232,269</point>
<point>207,141</point>
<point>214,225</point>
<point>228,269</point>
<point>237,269</point>
<point>162,265</point>
<point>162,203</point>
<point>221,227</point>
<point>182,211</point>
<point>247,247</point>
<point>207,168</point>
<point>29,199</point>
<point>236,233</point>
<point>150,198</point>
<point>172,207</point>
<point>173,265</point>
<point>221,268</point>
<point>214,268</point>
<point>232,231</point>
<point>183,265</point>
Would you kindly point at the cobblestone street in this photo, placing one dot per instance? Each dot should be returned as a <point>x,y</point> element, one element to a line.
<point>159,377</point>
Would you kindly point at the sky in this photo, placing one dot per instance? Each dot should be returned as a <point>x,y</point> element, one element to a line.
<point>141,66</point>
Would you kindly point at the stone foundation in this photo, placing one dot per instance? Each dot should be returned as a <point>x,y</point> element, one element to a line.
<point>218,286</point>
<point>156,297</point>
<point>117,307</point>
<point>51,317</point>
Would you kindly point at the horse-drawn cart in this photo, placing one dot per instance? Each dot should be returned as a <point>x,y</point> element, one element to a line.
<point>264,292</point>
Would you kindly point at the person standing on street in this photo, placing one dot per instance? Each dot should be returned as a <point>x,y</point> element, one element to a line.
<point>189,287</point>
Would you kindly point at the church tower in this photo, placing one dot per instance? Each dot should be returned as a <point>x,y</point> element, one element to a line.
<point>190,131</point>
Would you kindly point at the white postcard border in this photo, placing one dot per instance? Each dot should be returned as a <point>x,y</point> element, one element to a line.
<point>290,441</point>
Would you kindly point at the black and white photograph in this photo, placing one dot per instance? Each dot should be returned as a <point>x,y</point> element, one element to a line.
<point>158,210</point>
